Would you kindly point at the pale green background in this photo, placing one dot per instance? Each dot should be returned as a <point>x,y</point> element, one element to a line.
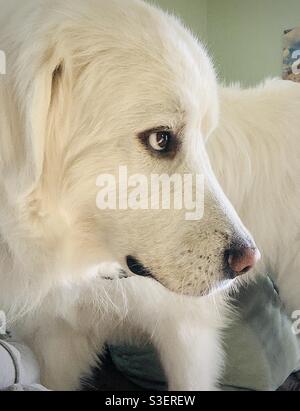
<point>244,36</point>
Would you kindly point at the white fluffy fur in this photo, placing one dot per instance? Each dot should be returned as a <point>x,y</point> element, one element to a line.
<point>83,78</point>
<point>255,153</point>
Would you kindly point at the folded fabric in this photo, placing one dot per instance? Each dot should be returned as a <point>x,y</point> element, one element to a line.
<point>261,348</point>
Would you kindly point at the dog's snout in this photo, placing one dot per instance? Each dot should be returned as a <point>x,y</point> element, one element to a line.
<point>241,258</point>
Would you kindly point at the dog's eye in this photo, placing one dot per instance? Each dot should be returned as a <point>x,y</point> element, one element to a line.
<point>160,140</point>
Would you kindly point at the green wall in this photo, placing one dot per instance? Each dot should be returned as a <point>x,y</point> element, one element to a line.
<point>244,36</point>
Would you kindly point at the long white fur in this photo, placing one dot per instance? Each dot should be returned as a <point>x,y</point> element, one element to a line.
<point>83,78</point>
<point>255,153</point>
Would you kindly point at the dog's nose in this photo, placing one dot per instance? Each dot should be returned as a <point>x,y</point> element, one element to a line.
<point>241,259</point>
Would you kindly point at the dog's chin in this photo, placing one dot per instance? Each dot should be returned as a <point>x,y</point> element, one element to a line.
<point>137,268</point>
<point>230,287</point>
<point>226,286</point>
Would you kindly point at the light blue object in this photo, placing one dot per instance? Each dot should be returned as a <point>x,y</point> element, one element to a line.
<point>261,348</point>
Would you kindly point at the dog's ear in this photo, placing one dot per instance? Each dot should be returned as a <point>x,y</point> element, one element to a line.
<point>39,91</point>
<point>46,113</point>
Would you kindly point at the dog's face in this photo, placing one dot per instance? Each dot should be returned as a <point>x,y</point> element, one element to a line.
<point>139,94</point>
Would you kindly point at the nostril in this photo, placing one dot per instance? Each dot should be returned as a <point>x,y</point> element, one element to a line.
<point>242,259</point>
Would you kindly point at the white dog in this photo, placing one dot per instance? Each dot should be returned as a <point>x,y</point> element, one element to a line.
<point>92,85</point>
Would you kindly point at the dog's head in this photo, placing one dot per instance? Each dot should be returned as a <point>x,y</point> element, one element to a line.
<point>101,85</point>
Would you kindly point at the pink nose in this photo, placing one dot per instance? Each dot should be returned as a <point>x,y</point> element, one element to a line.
<point>241,260</point>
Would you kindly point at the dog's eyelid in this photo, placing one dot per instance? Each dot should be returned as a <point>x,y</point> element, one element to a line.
<point>147,133</point>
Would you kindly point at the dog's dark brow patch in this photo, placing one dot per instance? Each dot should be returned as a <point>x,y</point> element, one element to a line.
<point>174,144</point>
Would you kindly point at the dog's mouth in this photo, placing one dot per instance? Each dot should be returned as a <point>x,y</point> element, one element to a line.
<point>137,268</point>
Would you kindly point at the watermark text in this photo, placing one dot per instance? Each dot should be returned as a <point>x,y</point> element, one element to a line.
<point>154,192</point>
